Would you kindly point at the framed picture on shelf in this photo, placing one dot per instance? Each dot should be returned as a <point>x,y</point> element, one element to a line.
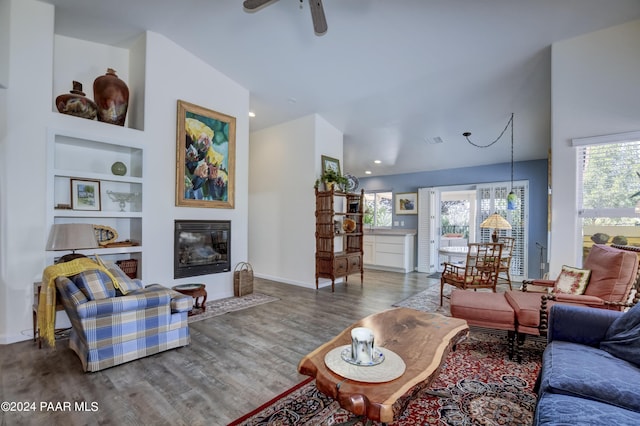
<point>406,203</point>
<point>85,194</point>
<point>329,163</point>
<point>205,154</point>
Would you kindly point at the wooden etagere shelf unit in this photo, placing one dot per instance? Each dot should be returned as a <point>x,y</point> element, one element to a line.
<point>339,253</point>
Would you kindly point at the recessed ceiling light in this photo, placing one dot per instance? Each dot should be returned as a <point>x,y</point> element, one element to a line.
<point>252,114</point>
<point>367,172</point>
<point>377,161</point>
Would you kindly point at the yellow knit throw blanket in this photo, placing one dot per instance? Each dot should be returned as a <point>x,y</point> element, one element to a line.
<point>47,303</point>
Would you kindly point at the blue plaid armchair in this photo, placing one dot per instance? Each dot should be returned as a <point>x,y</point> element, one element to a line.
<point>111,328</point>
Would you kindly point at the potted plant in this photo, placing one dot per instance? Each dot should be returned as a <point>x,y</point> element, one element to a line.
<point>331,177</point>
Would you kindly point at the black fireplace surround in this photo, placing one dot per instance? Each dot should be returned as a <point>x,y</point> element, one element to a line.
<point>201,247</point>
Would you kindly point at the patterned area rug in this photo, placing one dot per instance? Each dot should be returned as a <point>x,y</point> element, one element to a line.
<point>478,384</point>
<point>230,304</point>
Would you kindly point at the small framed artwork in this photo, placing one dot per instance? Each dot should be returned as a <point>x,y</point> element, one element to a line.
<point>85,194</point>
<point>329,163</point>
<point>205,154</point>
<point>407,203</point>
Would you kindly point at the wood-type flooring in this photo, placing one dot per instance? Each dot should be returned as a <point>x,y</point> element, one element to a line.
<point>235,362</point>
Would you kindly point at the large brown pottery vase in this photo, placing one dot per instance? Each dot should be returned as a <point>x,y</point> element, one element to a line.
<point>112,97</point>
<point>75,103</point>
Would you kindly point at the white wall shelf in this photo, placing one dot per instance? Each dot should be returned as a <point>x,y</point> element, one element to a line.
<point>80,153</point>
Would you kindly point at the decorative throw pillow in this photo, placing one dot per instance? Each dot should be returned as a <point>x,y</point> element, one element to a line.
<point>125,284</point>
<point>622,339</point>
<point>94,284</point>
<point>572,280</point>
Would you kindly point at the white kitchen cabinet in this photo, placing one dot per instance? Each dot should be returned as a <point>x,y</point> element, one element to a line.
<point>393,251</point>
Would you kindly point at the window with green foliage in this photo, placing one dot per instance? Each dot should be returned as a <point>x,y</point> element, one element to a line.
<point>454,217</point>
<point>609,190</point>
<point>378,208</point>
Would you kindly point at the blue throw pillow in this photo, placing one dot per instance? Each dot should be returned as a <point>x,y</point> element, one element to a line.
<point>622,339</point>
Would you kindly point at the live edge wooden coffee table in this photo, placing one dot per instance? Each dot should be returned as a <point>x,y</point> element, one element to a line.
<point>422,340</point>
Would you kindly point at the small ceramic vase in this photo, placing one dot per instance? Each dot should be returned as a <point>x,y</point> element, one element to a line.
<point>119,168</point>
<point>112,97</point>
<point>75,103</point>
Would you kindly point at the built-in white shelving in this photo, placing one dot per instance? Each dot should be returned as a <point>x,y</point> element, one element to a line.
<point>83,149</point>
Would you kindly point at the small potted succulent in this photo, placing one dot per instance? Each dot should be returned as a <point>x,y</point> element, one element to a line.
<point>330,177</point>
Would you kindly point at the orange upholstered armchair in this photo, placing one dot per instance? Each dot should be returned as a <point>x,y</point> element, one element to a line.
<point>613,275</point>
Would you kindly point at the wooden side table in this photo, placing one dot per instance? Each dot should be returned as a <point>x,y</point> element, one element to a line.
<point>196,291</point>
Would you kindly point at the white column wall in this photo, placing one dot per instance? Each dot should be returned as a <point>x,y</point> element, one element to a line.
<point>173,73</point>
<point>26,106</point>
<point>595,91</point>
<point>284,164</point>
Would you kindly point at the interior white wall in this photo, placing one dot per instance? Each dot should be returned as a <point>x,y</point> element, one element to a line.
<point>284,164</point>
<point>27,106</point>
<point>595,91</point>
<point>172,73</point>
<point>4,43</point>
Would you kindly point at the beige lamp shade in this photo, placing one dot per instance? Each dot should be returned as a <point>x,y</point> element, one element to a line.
<point>71,236</point>
<point>495,221</point>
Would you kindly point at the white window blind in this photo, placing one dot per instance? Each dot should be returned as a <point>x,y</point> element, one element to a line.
<point>607,178</point>
<point>493,199</point>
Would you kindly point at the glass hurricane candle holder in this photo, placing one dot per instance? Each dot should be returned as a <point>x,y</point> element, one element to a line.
<point>123,198</point>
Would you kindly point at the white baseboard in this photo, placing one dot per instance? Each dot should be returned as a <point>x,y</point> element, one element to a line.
<point>322,282</point>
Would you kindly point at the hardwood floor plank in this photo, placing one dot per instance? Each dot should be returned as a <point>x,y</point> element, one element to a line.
<point>235,362</point>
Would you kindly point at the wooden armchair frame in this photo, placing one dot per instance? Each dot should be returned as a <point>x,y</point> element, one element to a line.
<point>504,272</point>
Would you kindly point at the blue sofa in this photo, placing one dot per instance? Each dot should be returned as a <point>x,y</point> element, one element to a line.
<point>590,371</point>
<point>111,328</point>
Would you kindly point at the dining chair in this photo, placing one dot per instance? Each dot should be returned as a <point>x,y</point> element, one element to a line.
<point>479,271</point>
<point>504,271</point>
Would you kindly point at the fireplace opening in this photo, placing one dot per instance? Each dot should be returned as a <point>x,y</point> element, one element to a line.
<point>201,247</point>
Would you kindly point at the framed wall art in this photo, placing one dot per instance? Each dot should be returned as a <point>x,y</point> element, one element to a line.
<point>205,155</point>
<point>85,194</point>
<point>329,163</point>
<point>407,203</point>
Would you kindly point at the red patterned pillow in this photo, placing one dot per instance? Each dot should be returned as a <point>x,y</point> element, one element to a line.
<point>572,280</point>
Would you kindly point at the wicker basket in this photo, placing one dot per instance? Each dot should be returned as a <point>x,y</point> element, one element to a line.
<point>129,267</point>
<point>242,279</point>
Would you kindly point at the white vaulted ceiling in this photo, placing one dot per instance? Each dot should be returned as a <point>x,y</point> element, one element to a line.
<point>391,75</point>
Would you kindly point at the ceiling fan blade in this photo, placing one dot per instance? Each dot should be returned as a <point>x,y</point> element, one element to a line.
<point>255,4</point>
<point>317,16</point>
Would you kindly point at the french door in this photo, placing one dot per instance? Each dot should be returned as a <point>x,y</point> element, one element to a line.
<point>491,198</point>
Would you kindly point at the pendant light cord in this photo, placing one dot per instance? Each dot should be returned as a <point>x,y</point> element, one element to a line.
<point>511,121</point>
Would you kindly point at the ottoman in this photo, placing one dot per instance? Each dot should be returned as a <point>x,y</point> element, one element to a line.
<point>484,309</point>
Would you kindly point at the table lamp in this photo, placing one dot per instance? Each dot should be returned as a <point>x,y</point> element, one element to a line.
<point>495,222</point>
<point>71,236</point>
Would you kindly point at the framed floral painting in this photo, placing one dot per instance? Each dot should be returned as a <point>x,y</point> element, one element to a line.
<point>205,155</point>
